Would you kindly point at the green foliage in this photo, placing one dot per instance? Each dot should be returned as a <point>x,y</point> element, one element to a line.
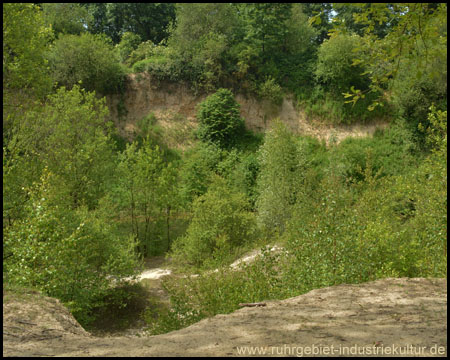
<point>266,26</point>
<point>437,130</point>
<point>212,293</point>
<point>148,20</point>
<point>334,109</point>
<point>199,165</point>
<point>219,118</point>
<point>25,40</point>
<point>319,236</point>
<point>335,64</point>
<point>141,52</point>
<point>160,61</point>
<point>416,34</point>
<point>128,43</point>
<point>272,91</point>
<point>296,64</point>
<point>77,209</point>
<point>71,137</point>
<point>220,223</point>
<point>322,23</point>
<point>244,177</point>
<point>66,18</point>
<point>281,166</point>
<point>203,35</point>
<point>146,191</point>
<point>88,58</point>
<point>391,152</point>
<point>67,254</point>
<point>412,96</point>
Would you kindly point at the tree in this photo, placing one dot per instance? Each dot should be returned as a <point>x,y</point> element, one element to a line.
<point>266,25</point>
<point>147,187</point>
<point>88,58</point>
<point>295,65</point>
<point>417,33</point>
<point>198,167</point>
<point>128,43</point>
<point>25,40</point>
<point>347,16</point>
<point>221,222</point>
<point>26,79</point>
<point>66,18</point>
<point>64,253</point>
<point>219,118</point>
<point>98,17</point>
<point>71,137</point>
<point>279,178</point>
<point>148,20</point>
<point>202,38</point>
<point>335,64</point>
<point>323,26</point>
<point>265,37</point>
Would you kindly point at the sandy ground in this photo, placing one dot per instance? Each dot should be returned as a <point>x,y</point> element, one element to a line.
<point>386,317</point>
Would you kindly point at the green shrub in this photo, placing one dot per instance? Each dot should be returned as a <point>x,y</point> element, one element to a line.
<point>221,223</point>
<point>67,254</point>
<point>244,177</point>
<point>404,231</point>
<point>412,97</point>
<point>70,135</point>
<point>334,66</point>
<point>219,118</point>
<point>143,51</point>
<point>146,191</point>
<point>88,58</point>
<point>271,90</point>
<point>198,167</point>
<point>128,43</point>
<point>281,166</point>
<point>140,66</point>
<point>391,151</point>
<point>25,41</point>
<point>66,18</point>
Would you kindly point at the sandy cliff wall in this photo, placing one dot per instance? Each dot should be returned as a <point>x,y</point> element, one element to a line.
<point>165,100</point>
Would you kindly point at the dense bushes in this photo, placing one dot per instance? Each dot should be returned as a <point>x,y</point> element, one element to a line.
<point>25,40</point>
<point>145,190</point>
<point>73,139</point>
<point>390,152</point>
<point>219,118</point>
<point>413,96</point>
<point>67,254</point>
<point>221,223</point>
<point>60,237</point>
<point>281,172</point>
<point>335,64</point>
<point>128,44</point>
<point>88,58</point>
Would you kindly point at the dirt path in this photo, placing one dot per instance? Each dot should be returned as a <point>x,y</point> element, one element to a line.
<point>384,317</point>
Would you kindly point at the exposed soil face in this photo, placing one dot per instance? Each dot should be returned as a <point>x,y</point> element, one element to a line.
<point>384,317</point>
<point>171,101</point>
